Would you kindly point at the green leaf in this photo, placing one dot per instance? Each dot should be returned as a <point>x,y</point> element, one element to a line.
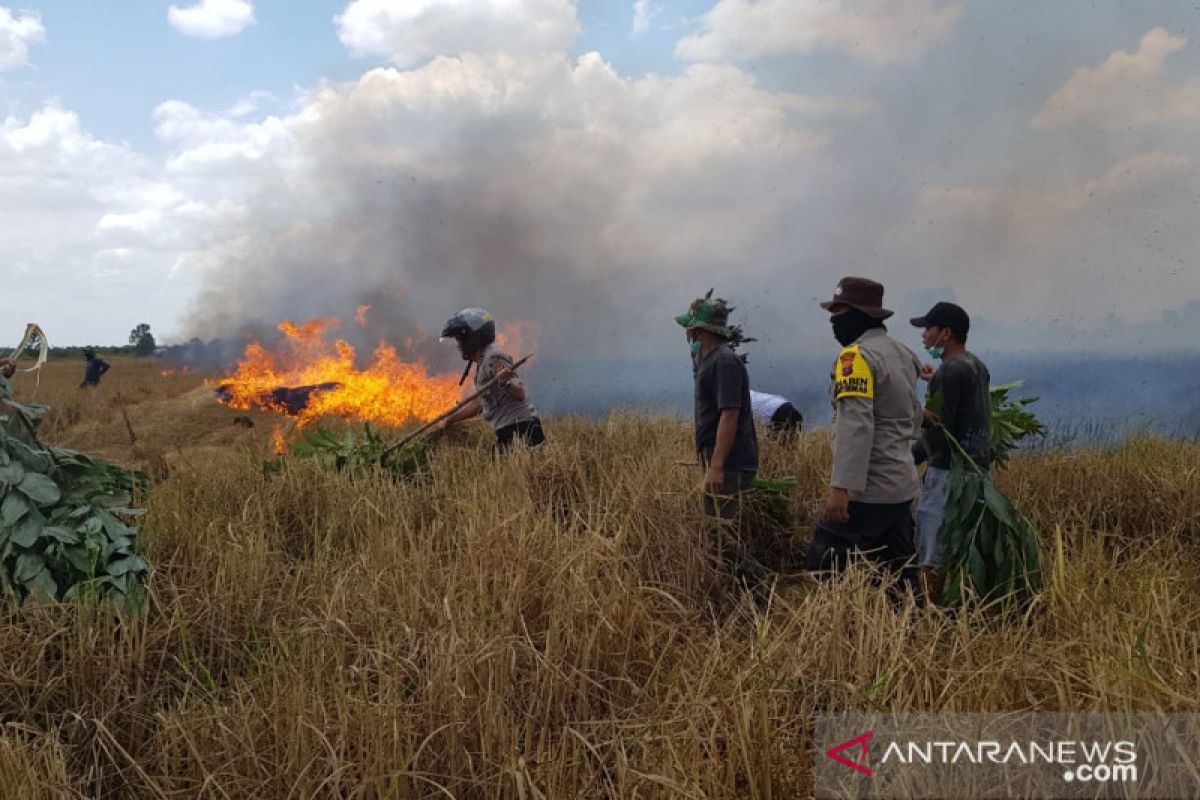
<point>40,489</point>
<point>113,526</point>
<point>13,508</point>
<point>988,538</point>
<point>1002,550</point>
<point>42,587</point>
<point>28,530</point>
<point>118,582</point>
<point>122,545</point>
<point>79,559</point>
<point>61,534</point>
<point>972,489</point>
<point>978,572</point>
<point>28,566</point>
<point>38,461</point>
<point>125,565</point>
<point>12,473</point>
<point>998,504</point>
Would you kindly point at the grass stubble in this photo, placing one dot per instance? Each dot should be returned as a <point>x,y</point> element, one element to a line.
<point>550,625</point>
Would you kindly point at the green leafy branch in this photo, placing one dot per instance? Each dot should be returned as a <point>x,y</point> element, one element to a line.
<point>358,454</point>
<point>987,546</point>
<point>66,519</point>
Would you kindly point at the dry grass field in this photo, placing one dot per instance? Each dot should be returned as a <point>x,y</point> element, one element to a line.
<point>545,626</point>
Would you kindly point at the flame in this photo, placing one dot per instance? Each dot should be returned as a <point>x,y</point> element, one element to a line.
<point>166,373</point>
<point>518,338</point>
<point>389,390</point>
<point>360,314</point>
<point>278,440</point>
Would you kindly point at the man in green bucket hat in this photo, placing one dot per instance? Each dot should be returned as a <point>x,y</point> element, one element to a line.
<point>724,421</point>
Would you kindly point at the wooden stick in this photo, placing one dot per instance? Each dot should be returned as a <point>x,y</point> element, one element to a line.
<point>128,426</point>
<point>461,405</point>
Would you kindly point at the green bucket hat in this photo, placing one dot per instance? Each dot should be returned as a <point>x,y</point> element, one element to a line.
<point>708,314</point>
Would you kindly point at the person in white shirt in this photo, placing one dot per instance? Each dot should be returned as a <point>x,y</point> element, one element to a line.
<point>777,414</point>
<point>505,406</point>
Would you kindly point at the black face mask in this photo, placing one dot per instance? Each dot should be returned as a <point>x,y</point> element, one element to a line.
<point>852,324</point>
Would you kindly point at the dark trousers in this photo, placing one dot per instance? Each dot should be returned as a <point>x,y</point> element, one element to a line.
<point>881,533</point>
<point>786,420</point>
<point>527,431</point>
<point>726,510</point>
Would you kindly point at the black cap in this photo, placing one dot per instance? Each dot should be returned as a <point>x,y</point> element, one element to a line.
<point>945,315</point>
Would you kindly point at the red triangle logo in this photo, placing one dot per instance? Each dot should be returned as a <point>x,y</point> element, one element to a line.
<point>859,764</point>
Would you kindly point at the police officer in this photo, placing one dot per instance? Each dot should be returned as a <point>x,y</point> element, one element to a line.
<point>876,419</point>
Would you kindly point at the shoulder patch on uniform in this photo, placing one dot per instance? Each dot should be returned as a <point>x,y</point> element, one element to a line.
<point>852,375</point>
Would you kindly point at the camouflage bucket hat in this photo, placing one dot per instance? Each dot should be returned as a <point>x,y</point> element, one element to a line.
<point>708,314</point>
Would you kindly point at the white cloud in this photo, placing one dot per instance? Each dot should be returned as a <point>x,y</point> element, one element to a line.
<point>644,13</point>
<point>17,32</point>
<point>89,223</point>
<point>210,146</point>
<point>871,30</point>
<point>1127,89</point>
<point>212,19</point>
<point>411,31</point>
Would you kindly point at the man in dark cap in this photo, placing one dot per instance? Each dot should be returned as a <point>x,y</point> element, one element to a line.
<point>876,418</point>
<point>93,369</point>
<point>960,392</point>
<point>725,437</point>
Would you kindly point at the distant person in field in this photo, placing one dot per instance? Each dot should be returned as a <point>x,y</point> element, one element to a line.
<point>93,369</point>
<point>960,387</point>
<point>776,414</point>
<point>505,406</point>
<point>725,437</point>
<point>868,509</point>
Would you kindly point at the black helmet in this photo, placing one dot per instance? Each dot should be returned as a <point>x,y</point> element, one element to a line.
<point>473,329</point>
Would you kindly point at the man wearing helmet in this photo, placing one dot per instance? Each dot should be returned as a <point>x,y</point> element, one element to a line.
<point>505,406</point>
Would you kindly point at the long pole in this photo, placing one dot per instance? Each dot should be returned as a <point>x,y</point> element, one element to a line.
<point>461,405</point>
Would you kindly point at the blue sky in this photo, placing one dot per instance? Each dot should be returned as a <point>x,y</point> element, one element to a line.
<point>114,62</point>
<point>203,172</point>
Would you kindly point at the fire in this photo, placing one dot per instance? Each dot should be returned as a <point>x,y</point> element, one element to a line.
<point>518,338</point>
<point>360,314</point>
<point>166,373</point>
<point>311,376</point>
<point>278,440</point>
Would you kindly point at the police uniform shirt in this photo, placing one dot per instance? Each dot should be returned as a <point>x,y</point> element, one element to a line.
<point>876,418</point>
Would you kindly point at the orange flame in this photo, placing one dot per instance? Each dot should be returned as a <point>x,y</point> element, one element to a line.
<point>166,373</point>
<point>389,390</point>
<point>360,314</point>
<point>518,338</point>
<point>278,442</point>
